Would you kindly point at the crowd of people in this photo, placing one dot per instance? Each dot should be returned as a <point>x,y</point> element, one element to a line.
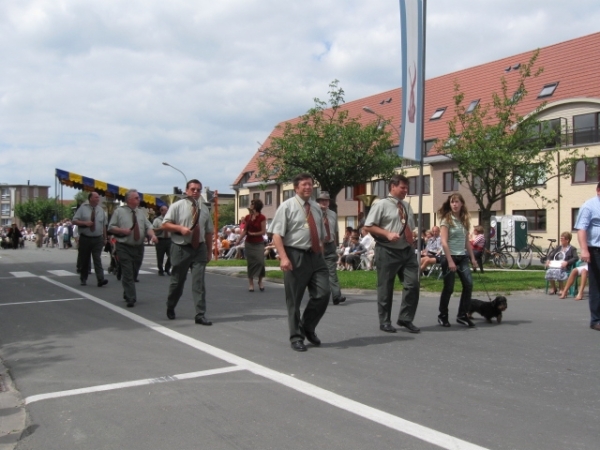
<point>62,235</point>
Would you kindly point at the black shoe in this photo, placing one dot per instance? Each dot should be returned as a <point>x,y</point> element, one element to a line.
<point>168,272</point>
<point>102,283</point>
<point>409,326</point>
<point>137,280</point>
<point>312,338</point>
<point>130,304</point>
<point>201,320</point>
<point>464,320</point>
<point>387,328</point>
<point>443,321</point>
<point>83,282</point>
<point>170,314</point>
<point>298,346</point>
<point>337,301</point>
<point>161,273</point>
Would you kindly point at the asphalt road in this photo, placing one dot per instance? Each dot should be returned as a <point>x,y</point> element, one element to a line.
<point>93,374</point>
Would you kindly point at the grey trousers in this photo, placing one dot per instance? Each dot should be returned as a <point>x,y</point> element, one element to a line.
<point>130,260</point>
<point>309,271</point>
<point>90,246</point>
<point>163,248</point>
<point>331,258</point>
<point>404,264</point>
<point>182,258</point>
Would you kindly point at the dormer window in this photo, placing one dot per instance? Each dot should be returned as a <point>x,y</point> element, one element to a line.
<point>548,90</point>
<point>438,113</point>
<point>472,106</point>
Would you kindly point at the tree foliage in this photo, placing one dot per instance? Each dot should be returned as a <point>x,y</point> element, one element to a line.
<point>499,152</point>
<point>338,150</point>
<point>226,214</point>
<point>45,209</point>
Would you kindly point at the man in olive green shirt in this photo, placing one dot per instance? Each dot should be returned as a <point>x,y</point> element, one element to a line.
<point>130,226</point>
<point>298,232</point>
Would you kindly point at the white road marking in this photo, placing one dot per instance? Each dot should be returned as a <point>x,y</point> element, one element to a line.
<point>144,272</point>
<point>127,384</point>
<point>62,273</point>
<point>43,301</point>
<point>22,274</point>
<point>381,417</point>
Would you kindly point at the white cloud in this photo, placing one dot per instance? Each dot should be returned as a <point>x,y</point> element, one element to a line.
<point>110,89</point>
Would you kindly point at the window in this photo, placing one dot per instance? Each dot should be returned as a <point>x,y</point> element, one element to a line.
<point>517,96</point>
<point>36,192</point>
<point>349,192</point>
<point>536,218</point>
<point>530,175</point>
<point>585,128</point>
<point>574,214</point>
<point>550,130</point>
<point>413,185</point>
<point>6,210</point>
<point>287,194</point>
<point>450,181</point>
<point>351,221</point>
<point>548,90</point>
<point>428,145</point>
<point>244,201</point>
<point>256,196</point>
<point>472,106</point>
<point>586,171</point>
<point>6,222</point>
<point>268,198</point>
<point>438,113</point>
<point>379,188</point>
<point>5,193</point>
<point>24,192</point>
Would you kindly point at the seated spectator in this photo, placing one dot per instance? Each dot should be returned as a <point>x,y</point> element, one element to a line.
<point>560,261</point>
<point>431,254</point>
<point>368,243</point>
<point>581,271</point>
<point>343,248</point>
<point>352,258</point>
<point>478,244</point>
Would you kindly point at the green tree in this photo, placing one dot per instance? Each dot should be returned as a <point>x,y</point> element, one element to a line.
<point>226,214</point>
<point>45,209</point>
<point>499,152</point>
<point>27,212</point>
<point>336,149</point>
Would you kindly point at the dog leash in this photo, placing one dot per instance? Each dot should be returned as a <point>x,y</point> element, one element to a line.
<point>484,286</point>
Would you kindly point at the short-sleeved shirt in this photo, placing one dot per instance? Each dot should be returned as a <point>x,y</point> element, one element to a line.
<point>123,218</point>
<point>181,213</point>
<point>161,234</point>
<point>457,235</point>
<point>290,222</point>
<point>84,213</point>
<point>384,214</point>
<point>589,219</point>
<point>254,226</point>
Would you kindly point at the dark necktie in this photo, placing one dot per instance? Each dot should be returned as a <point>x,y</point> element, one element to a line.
<point>136,227</point>
<point>93,219</point>
<point>326,221</point>
<point>314,235</point>
<point>195,226</point>
<point>404,220</point>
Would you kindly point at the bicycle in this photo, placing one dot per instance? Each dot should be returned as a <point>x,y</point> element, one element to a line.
<point>504,256</point>
<point>526,255</point>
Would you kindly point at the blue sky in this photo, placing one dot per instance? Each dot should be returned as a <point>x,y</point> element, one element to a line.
<point>111,89</point>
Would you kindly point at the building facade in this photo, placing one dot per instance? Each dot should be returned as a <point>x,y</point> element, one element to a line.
<point>567,89</point>
<point>14,194</point>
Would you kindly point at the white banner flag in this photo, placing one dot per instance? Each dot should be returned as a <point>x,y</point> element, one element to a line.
<point>413,41</point>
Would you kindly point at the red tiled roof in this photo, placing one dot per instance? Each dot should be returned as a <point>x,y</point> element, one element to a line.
<point>573,64</point>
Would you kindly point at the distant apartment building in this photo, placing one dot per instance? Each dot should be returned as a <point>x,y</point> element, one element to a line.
<point>14,194</point>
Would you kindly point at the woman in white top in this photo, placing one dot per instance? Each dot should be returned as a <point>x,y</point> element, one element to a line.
<point>454,232</point>
<point>59,233</point>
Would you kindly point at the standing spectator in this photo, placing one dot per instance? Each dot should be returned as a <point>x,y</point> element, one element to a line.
<point>454,225</point>
<point>14,235</point>
<point>91,221</point>
<point>130,225</point>
<point>191,229</point>
<point>59,235</point>
<point>390,222</point>
<point>297,234</point>
<point>478,245</point>
<point>164,243</point>
<point>588,235</point>
<point>254,248</point>
<point>329,246</point>
<point>51,235</point>
<point>39,232</point>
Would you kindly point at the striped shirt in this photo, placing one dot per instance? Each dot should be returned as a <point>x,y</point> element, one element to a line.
<point>589,220</point>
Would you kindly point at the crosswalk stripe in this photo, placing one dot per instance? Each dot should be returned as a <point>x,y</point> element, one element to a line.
<point>22,274</point>
<point>62,273</point>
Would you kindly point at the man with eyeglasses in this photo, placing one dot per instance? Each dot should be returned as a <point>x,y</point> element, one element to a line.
<point>130,226</point>
<point>191,228</point>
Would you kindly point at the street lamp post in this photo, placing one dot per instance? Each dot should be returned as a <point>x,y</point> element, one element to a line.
<point>173,167</point>
<point>379,116</point>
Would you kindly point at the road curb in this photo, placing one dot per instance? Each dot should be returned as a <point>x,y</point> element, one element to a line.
<point>13,417</point>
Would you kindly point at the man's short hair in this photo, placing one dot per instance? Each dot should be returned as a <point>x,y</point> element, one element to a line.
<point>129,192</point>
<point>301,177</point>
<point>194,181</point>
<point>396,180</point>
